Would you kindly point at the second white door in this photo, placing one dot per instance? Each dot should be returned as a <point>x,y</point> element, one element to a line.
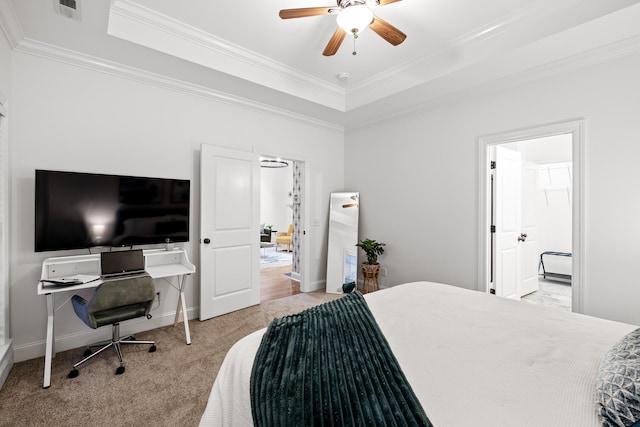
<point>229,221</point>
<point>516,249</point>
<point>508,222</point>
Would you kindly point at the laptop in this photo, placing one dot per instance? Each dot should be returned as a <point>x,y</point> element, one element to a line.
<point>122,265</point>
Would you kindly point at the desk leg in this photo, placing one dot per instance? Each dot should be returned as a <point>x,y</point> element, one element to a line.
<point>50,344</point>
<point>182,307</point>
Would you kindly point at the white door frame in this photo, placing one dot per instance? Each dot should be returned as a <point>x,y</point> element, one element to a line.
<point>304,244</point>
<point>576,129</point>
<point>6,342</point>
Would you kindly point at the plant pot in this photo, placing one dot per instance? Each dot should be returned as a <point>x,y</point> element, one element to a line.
<point>370,273</point>
<point>169,246</point>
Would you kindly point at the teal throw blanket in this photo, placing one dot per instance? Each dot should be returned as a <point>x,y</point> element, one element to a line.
<point>331,366</point>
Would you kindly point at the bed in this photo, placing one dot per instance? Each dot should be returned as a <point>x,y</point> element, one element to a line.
<point>471,359</point>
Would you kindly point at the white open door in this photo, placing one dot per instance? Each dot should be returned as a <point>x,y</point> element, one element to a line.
<point>530,253</point>
<point>229,222</point>
<point>508,222</point>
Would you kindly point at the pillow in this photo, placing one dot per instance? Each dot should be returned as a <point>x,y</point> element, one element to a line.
<point>618,384</point>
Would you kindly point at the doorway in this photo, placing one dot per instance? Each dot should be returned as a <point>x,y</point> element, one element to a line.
<point>230,220</point>
<point>279,208</point>
<point>544,242</point>
<point>511,269</point>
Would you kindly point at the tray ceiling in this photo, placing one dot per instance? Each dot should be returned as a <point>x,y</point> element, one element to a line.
<point>244,49</point>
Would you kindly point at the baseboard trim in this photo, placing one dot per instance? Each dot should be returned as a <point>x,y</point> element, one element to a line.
<point>316,286</point>
<point>6,361</point>
<point>88,336</point>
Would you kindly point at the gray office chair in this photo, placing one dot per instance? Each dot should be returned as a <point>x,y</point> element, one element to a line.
<point>111,303</point>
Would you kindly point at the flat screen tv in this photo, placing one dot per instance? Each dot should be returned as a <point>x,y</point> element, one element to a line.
<point>76,210</point>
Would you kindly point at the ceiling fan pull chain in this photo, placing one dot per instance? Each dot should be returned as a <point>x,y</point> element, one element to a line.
<point>355,36</point>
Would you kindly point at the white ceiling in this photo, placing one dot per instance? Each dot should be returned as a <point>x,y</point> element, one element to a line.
<point>241,48</point>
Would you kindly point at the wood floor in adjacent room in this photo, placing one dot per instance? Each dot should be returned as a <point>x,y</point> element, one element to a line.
<point>275,285</point>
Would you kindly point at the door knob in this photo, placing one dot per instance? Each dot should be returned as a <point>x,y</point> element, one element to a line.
<point>522,237</point>
<point>206,241</point>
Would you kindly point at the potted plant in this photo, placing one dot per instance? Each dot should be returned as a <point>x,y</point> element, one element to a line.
<point>371,268</point>
<point>168,244</point>
<point>371,249</point>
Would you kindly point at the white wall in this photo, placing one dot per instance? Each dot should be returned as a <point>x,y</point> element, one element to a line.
<point>73,118</point>
<point>419,194</point>
<point>276,197</point>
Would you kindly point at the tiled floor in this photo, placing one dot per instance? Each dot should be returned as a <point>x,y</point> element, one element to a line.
<point>552,294</point>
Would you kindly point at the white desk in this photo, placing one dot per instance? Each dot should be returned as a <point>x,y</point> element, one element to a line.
<point>159,263</point>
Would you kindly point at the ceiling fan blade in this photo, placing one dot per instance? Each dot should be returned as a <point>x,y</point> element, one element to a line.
<point>386,2</point>
<point>387,31</point>
<point>335,42</point>
<point>305,11</point>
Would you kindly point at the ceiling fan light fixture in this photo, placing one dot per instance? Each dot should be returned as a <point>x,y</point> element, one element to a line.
<point>355,17</point>
<point>352,17</point>
<point>273,163</point>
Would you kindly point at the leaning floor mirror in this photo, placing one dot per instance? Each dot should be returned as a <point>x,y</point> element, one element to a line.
<point>342,255</point>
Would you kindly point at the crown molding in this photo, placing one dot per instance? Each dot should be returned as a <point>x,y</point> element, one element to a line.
<point>602,54</point>
<point>76,59</point>
<point>473,46</point>
<point>9,24</point>
<point>368,114</point>
<point>141,25</point>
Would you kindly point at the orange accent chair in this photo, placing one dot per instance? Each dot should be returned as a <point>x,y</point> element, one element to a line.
<point>284,238</point>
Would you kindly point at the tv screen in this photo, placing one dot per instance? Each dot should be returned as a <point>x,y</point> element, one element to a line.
<point>76,210</point>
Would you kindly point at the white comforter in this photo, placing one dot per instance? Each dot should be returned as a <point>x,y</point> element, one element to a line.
<point>472,359</point>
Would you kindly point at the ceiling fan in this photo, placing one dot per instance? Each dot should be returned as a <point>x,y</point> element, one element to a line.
<point>352,16</point>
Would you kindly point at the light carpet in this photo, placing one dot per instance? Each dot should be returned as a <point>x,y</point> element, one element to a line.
<point>167,388</point>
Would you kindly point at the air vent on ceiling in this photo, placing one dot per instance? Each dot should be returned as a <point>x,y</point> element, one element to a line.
<point>68,8</point>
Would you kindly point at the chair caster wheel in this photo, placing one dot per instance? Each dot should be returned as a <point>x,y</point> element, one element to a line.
<point>87,353</point>
<point>120,370</point>
<point>152,349</point>
<point>74,373</point>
